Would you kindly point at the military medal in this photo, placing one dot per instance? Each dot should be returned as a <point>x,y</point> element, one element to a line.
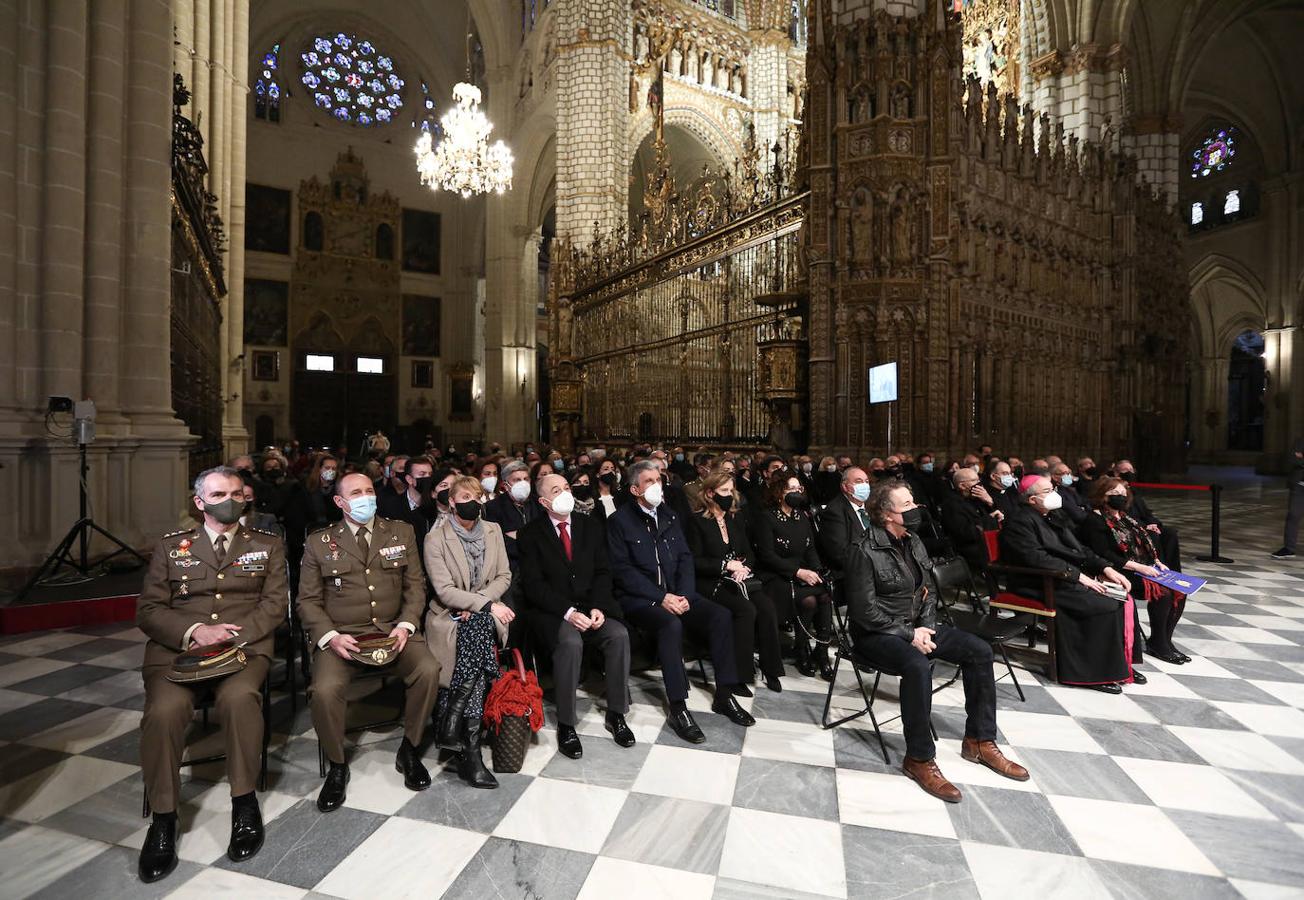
<point>183,549</point>
<point>184,590</point>
<point>335,553</point>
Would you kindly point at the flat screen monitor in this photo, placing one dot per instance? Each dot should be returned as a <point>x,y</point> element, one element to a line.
<point>883,383</point>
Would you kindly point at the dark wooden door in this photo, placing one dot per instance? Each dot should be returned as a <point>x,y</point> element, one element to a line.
<point>342,406</point>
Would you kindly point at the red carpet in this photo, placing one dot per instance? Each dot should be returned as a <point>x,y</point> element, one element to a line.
<point>67,614</point>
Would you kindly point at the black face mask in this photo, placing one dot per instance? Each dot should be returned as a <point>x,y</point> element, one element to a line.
<point>893,471</point>
<point>1127,476</point>
<point>442,498</point>
<point>725,501</point>
<point>877,474</point>
<point>581,491</point>
<point>273,475</point>
<point>913,519</point>
<point>468,511</point>
<point>796,500</point>
<point>423,484</point>
<point>610,480</point>
<point>1089,472</point>
<point>1117,501</point>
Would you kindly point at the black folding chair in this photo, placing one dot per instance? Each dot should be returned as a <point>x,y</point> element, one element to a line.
<point>952,581</point>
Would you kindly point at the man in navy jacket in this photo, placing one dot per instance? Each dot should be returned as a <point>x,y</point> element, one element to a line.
<point>655,584</point>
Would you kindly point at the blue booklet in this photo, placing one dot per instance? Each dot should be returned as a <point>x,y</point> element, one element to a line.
<point>1179,581</point>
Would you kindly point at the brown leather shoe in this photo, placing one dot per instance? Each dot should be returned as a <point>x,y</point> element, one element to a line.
<point>988,754</point>
<point>928,776</point>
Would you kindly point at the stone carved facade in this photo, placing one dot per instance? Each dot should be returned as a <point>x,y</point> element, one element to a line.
<point>1028,289</point>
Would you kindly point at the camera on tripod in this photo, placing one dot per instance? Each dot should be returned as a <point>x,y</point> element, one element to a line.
<point>83,414</point>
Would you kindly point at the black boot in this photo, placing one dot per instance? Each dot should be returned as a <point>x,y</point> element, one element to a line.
<point>448,730</point>
<point>470,766</point>
<point>158,855</point>
<point>821,659</point>
<point>806,664</point>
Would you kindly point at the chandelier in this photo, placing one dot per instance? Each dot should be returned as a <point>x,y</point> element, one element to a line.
<point>464,160</point>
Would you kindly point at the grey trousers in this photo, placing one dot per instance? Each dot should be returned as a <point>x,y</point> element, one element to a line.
<point>567,655</point>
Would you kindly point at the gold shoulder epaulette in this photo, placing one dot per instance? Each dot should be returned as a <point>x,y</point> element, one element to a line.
<point>179,533</point>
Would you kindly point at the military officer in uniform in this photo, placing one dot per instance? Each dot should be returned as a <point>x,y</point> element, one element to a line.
<point>364,575</point>
<point>216,582</point>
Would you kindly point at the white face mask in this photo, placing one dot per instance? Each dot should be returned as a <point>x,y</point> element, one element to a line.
<point>652,496</point>
<point>1052,501</point>
<point>805,467</point>
<point>830,468</point>
<point>489,482</point>
<point>563,503</point>
<point>328,475</point>
<point>520,491</point>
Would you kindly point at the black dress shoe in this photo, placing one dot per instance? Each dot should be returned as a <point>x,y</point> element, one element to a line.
<point>408,761</point>
<point>246,832</point>
<point>684,726</point>
<point>620,731</point>
<point>331,797</point>
<point>568,742</point>
<point>1104,688</point>
<point>729,708</point>
<point>158,855</point>
<point>808,667</point>
<point>1172,658</point>
<point>773,683</point>
<point>742,690</point>
<point>1138,677</point>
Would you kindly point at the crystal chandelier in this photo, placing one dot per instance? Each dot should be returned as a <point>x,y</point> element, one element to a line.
<point>464,160</point>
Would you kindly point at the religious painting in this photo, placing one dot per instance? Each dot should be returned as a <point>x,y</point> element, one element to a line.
<point>420,325</point>
<point>266,365</point>
<point>423,373</point>
<point>267,219</point>
<point>266,305</point>
<point>421,241</point>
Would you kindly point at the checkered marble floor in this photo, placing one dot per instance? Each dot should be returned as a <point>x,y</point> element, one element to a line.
<point>1191,786</point>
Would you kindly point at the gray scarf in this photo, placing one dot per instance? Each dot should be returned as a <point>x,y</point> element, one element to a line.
<point>473,547</point>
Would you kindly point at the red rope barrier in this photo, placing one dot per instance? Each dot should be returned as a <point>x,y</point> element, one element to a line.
<point>1172,487</point>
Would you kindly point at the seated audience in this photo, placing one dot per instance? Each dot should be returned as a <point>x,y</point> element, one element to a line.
<point>652,569</point>
<point>893,623</point>
<point>322,510</point>
<point>1093,629</point>
<point>513,508</point>
<point>416,505</point>
<point>967,512</point>
<point>1086,471</point>
<point>1113,534</point>
<point>1001,485</point>
<point>466,621</point>
<point>843,521</point>
<point>717,537</point>
<point>586,503</point>
<point>567,584</point>
<point>826,482</point>
<point>1075,506</point>
<point>1164,536</point>
<point>789,566</point>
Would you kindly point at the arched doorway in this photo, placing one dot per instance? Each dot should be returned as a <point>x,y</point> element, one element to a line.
<point>687,154</point>
<point>1246,382</point>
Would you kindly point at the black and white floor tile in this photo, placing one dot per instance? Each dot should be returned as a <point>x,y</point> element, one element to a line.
<point>1190,786</point>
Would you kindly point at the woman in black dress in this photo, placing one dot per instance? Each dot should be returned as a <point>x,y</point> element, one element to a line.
<point>722,553</point>
<point>789,566</point>
<point>1117,537</point>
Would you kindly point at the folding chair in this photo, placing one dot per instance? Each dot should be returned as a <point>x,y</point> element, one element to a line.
<point>1043,609</point>
<point>859,664</point>
<point>205,703</point>
<point>953,575</point>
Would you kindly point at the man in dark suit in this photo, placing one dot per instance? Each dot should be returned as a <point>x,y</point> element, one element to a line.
<point>514,508</point>
<point>844,520</point>
<point>567,581</point>
<point>656,585</point>
<point>393,484</point>
<point>414,506</point>
<point>967,512</point>
<point>1164,536</point>
<point>1076,508</point>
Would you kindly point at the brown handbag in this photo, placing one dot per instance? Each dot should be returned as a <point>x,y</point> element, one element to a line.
<point>208,662</point>
<point>375,649</point>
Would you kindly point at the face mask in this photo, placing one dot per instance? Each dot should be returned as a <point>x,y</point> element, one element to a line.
<point>806,467</point>
<point>876,474</point>
<point>520,491</point>
<point>926,467</point>
<point>273,475</point>
<point>423,483</point>
<point>529,449</point>
<point>468,511</point>
<point>912,519</point>
<point>564,503</point>
<point>1117,501</point>
<point>830,468</point>
<point>796,500</point>
<point>1052,501</point>
<point>860,491</point>
<point>387,472</point>
<point>1090,471</point>
<point>328,475</point>
<point>582,491</point>
<point>653,494</point>
<point>559,464</point>
<point>679,457</point>
<point>610,480</point>
<point>1007,481</point>
<point>1018,471</point>
<point>227,512</point>
<point>362,509</point>
<point>489,482</point>
<point>724,501</point>
<point>1127,476</point>
<point>442,498</point>
<point>248,507</point>
<point>893,471</point>
<point>1066,480</point>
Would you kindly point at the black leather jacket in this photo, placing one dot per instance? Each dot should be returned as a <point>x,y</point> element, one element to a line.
<point>880,587</point>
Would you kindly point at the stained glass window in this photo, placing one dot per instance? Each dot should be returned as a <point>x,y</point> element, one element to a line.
<point>1232,204</point>
<point>424,118</point>
<point>1197,213</point>
<point>268,92</point>
<point>1215,154</point>
<point>352,80</point>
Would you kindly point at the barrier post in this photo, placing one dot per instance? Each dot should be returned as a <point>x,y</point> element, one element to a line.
<point>1215,527</point>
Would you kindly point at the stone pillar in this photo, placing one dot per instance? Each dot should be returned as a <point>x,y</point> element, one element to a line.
<point>1283,355</point>
<point>9,74</point>
<point>593,37</point>
<point>767,87</point>
<point>234,436</point>
<point>1155,142</point>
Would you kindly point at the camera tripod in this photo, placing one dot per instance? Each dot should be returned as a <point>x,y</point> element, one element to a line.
<point>79,534</point>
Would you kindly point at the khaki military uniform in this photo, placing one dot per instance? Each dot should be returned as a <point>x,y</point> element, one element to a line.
<point>187,586</point>
<point>342,589</point>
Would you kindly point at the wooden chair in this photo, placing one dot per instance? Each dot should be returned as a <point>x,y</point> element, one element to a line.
<point>1043,609</point>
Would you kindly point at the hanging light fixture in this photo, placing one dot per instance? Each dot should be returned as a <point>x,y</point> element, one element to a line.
<point>464,160</point>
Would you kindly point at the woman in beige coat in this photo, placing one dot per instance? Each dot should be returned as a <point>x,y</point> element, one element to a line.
<point>466,561</point>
